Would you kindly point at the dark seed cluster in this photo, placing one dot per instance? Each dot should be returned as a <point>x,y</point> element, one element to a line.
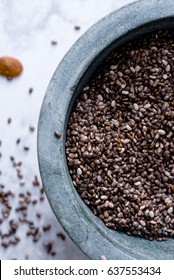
<point>25,204</point>
<point>120,147</point>
<point>17,206</point>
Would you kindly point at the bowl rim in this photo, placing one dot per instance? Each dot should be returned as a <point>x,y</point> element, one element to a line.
<point>88,231</point>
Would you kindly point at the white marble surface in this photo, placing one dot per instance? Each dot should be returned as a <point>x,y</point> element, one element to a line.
<point>26,30</point>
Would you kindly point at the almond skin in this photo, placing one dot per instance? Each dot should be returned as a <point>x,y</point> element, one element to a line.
<point>10,67</point>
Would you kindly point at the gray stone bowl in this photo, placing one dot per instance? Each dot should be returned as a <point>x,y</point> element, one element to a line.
<point>87,230</point>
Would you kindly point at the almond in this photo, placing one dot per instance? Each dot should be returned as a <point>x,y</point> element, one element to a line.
<point>10,67</point>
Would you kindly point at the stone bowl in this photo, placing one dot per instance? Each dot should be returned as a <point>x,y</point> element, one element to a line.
<point>74,71</point>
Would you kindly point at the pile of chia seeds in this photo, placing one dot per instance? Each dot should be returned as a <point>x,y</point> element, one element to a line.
<point>120,147</point>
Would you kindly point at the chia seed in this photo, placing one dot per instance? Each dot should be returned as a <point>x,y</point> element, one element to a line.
<point>119,142</point>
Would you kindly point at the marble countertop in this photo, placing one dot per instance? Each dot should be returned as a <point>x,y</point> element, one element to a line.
<point>38,33</point>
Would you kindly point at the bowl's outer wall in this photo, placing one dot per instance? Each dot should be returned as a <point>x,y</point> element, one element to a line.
<point>73,72</point>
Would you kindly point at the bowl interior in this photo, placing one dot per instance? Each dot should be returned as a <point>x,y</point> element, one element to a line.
<point>161,249</point>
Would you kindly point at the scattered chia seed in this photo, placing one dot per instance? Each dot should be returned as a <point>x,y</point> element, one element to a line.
<point>61,235</point>
<point>36,182</point>
<point>53,253</point>
<point>119,142</point>
<point>46,227</point>
<point>38,215</point>
<point>57,134</point>
<point>48,246</point>
<point>30,90</point>
<point>18,141</point>
<point>54,42</point>
<point>9,120</point>
<point>31,128</point>
<point>77,27</point>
